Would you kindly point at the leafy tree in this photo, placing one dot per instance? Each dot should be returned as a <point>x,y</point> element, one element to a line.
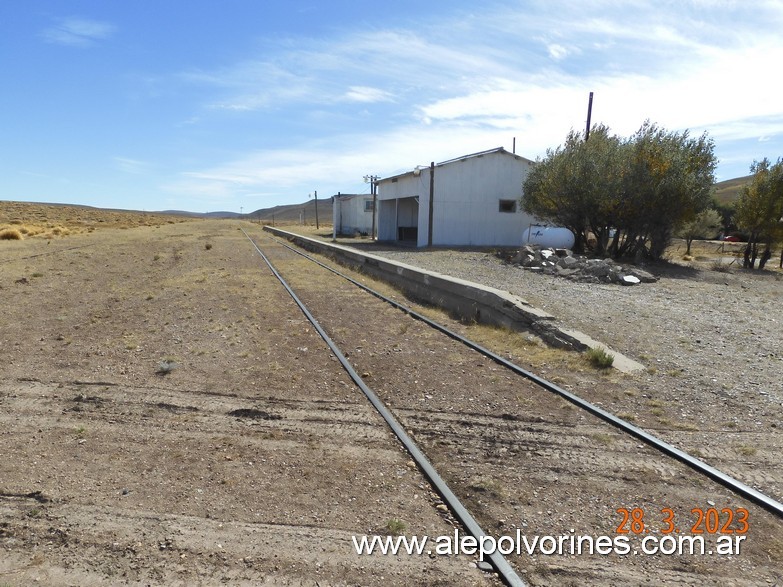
<point>703,225</point>
<point>668,179</point>
<point>726,212</point>
<point>760,210</point>
<point>644,187</point>
<point>574,185</point>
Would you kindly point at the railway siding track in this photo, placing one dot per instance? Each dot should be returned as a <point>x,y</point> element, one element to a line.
<point>506,572</point>
<point>499,443</point>
<point>700,466</point>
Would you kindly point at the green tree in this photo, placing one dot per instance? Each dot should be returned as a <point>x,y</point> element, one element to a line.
<point>704,225</point>
<point>668,180</point>
<point>575,184</point>
<point>644,187</point>
<point>726,212</point>
<point>759,211</point>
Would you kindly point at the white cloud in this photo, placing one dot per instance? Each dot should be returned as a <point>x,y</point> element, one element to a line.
<point>459,87</point>
<point>78,32</point>
<point>331,166</point>
<point>557,52</point>
<point>392,65</point>
<point>365,94</point>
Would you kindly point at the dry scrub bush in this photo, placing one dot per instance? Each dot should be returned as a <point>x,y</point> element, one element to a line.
<point>720,266</point>
<point>30,230</point>
<point>10,234</point>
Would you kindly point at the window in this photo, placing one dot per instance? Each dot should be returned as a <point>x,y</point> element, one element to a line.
<point>368,205</point>
<point>509,206</point>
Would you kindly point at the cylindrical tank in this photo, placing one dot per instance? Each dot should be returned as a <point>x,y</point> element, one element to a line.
<point>555,237</point>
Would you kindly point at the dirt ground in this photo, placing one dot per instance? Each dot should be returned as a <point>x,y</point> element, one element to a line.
<point>502,443</point>
<point>168,417</point>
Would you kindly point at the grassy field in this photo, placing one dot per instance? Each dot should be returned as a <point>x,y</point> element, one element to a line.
<point>23,220</point>
<point>727,192</point>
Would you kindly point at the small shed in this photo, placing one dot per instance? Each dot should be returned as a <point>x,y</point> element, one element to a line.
<point>471,200</point>
<point>352,214</point>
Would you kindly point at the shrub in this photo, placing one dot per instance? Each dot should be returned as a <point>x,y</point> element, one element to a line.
<point>720,266</point>
<point>395,526</point>
<point>166,366</point>
<point>599,358</point>
<point>10,234</point>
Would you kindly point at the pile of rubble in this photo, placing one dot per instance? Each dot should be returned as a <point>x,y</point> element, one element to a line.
<point>564,263</point>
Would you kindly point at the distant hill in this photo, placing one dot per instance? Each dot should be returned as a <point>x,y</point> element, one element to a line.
<point>288,214</point>
<point>292,213</point>
<point>203,214</point>
<point>728,192</point>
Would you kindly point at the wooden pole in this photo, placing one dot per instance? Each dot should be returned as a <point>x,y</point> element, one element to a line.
<point>336,217</point>
<point>374,191</point>
<point>432,194</point>
<point>589,116</point>
<point>316,209</point>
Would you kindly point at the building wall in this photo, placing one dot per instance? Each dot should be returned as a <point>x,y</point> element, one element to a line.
<point>350,214</point>
<point>387,220</point>
<point>467,200</point>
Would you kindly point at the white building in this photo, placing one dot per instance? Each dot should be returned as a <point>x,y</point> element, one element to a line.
<point>475,202</point>
<point>352,214</point>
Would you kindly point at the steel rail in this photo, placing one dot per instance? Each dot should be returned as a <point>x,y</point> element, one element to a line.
<point>651,440</point>
<point>503,568</point>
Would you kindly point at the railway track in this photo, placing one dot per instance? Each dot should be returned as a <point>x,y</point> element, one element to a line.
<point>492,435</point>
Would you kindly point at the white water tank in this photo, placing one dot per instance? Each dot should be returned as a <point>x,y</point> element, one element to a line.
<point>555,237</point>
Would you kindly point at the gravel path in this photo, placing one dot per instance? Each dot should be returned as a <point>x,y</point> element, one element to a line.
<point>711,327</point>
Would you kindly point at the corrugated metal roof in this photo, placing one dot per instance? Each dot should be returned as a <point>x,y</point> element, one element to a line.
<point>349,196</point>
<point>462,158</point>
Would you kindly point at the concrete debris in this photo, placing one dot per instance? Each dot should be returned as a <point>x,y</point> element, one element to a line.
<point>563,263</point>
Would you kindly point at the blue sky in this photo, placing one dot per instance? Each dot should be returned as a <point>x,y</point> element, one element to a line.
<point>221,105</point>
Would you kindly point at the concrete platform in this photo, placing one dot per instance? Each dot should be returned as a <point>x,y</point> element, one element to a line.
<point>466,299</point>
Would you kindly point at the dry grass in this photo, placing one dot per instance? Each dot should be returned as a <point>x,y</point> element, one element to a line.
<point>717,256</point>
<point>48,221</point>
<point>601,438</point>
<point>10,234</point>
<point>486,484</point>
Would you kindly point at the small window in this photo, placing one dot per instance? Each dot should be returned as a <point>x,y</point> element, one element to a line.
<point>368,206</point>
<point>509,206</point>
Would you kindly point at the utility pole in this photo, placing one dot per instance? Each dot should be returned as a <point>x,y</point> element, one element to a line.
<point>432,207</point>
<point>316,209</point>
<point>336,219</point>
<point>372,179</point>
<point>589,115</point>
